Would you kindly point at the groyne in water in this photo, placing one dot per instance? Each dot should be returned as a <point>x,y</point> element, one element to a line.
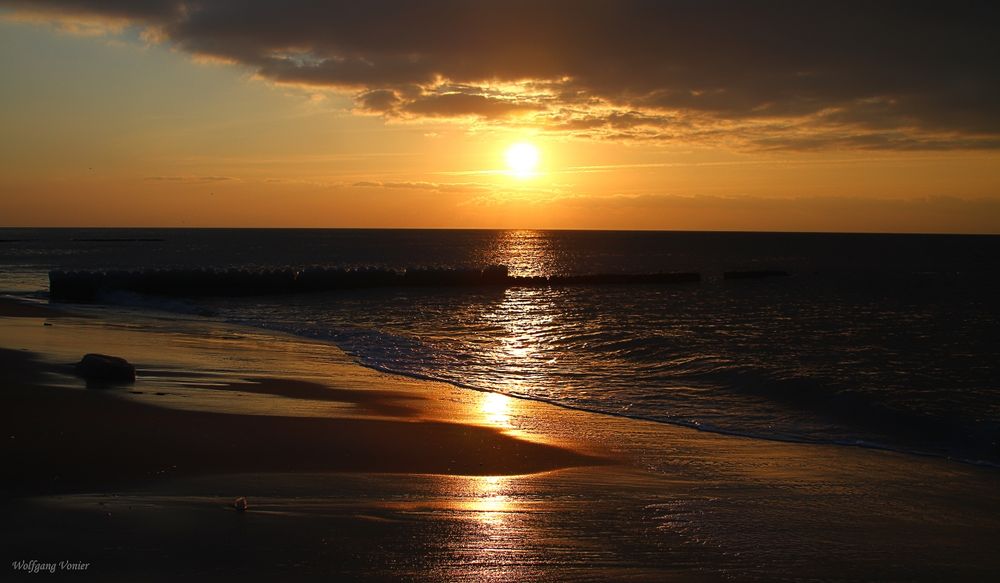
<point>88,286</point>
<point>755,274</point>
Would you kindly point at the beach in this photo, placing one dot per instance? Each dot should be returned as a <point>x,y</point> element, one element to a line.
<point>499,291</point>
<point>355,473</point>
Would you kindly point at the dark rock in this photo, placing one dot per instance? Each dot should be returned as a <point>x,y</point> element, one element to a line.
<point>102,368</point>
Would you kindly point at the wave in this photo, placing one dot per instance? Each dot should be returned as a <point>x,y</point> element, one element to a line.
<point>951,439</point>
<point>89,286</point>
<point>944,434</point>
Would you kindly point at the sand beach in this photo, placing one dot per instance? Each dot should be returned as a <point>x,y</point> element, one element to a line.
<point>349,472</point>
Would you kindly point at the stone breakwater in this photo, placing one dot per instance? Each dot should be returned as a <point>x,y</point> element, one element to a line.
<point>88,286</point>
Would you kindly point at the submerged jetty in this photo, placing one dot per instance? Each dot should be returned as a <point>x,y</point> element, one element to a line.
<point>755,274</point>
<point>89,286</point>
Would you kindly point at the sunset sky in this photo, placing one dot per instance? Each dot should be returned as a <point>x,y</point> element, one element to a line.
<point>801,116</point>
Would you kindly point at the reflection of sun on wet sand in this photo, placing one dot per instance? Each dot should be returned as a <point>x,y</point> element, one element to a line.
<point>496,409</point>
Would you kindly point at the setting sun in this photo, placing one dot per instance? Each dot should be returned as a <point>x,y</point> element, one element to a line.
<point>522,159</point>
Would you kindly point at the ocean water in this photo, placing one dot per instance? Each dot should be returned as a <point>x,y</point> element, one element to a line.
<point>887,341</point>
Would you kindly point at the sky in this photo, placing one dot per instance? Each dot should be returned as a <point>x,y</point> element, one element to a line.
<point>699,115</point>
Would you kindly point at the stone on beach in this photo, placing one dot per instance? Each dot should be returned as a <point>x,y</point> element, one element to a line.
<point>104,368</point>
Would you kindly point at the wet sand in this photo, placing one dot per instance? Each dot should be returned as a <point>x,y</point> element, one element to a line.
<point>358,475</point>
<point>14,309</point>
<point>64,440</point>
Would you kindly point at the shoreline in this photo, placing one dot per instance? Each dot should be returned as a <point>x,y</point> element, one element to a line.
<point>617,498</point>
<point>79,458</point>
<point>385,432</point>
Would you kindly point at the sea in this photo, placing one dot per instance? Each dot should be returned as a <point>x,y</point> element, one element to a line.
<point>865,340</point>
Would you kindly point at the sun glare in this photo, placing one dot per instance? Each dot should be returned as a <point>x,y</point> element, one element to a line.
<point>522,159</point>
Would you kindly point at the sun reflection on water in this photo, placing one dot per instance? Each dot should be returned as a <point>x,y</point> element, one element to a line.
<point>491,503</point>
<point>525,253</point>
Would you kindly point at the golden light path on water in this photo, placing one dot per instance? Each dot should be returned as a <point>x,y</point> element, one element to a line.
<point>524,253</point>
<point>491,505</point>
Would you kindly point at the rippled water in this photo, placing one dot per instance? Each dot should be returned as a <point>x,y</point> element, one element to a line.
<point>885,341</point>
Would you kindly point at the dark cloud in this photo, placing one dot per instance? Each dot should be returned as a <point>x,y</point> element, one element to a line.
<point>924,74</point>
<point>152,9</point>
<point>459,104</point>
<point>378,101</point>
